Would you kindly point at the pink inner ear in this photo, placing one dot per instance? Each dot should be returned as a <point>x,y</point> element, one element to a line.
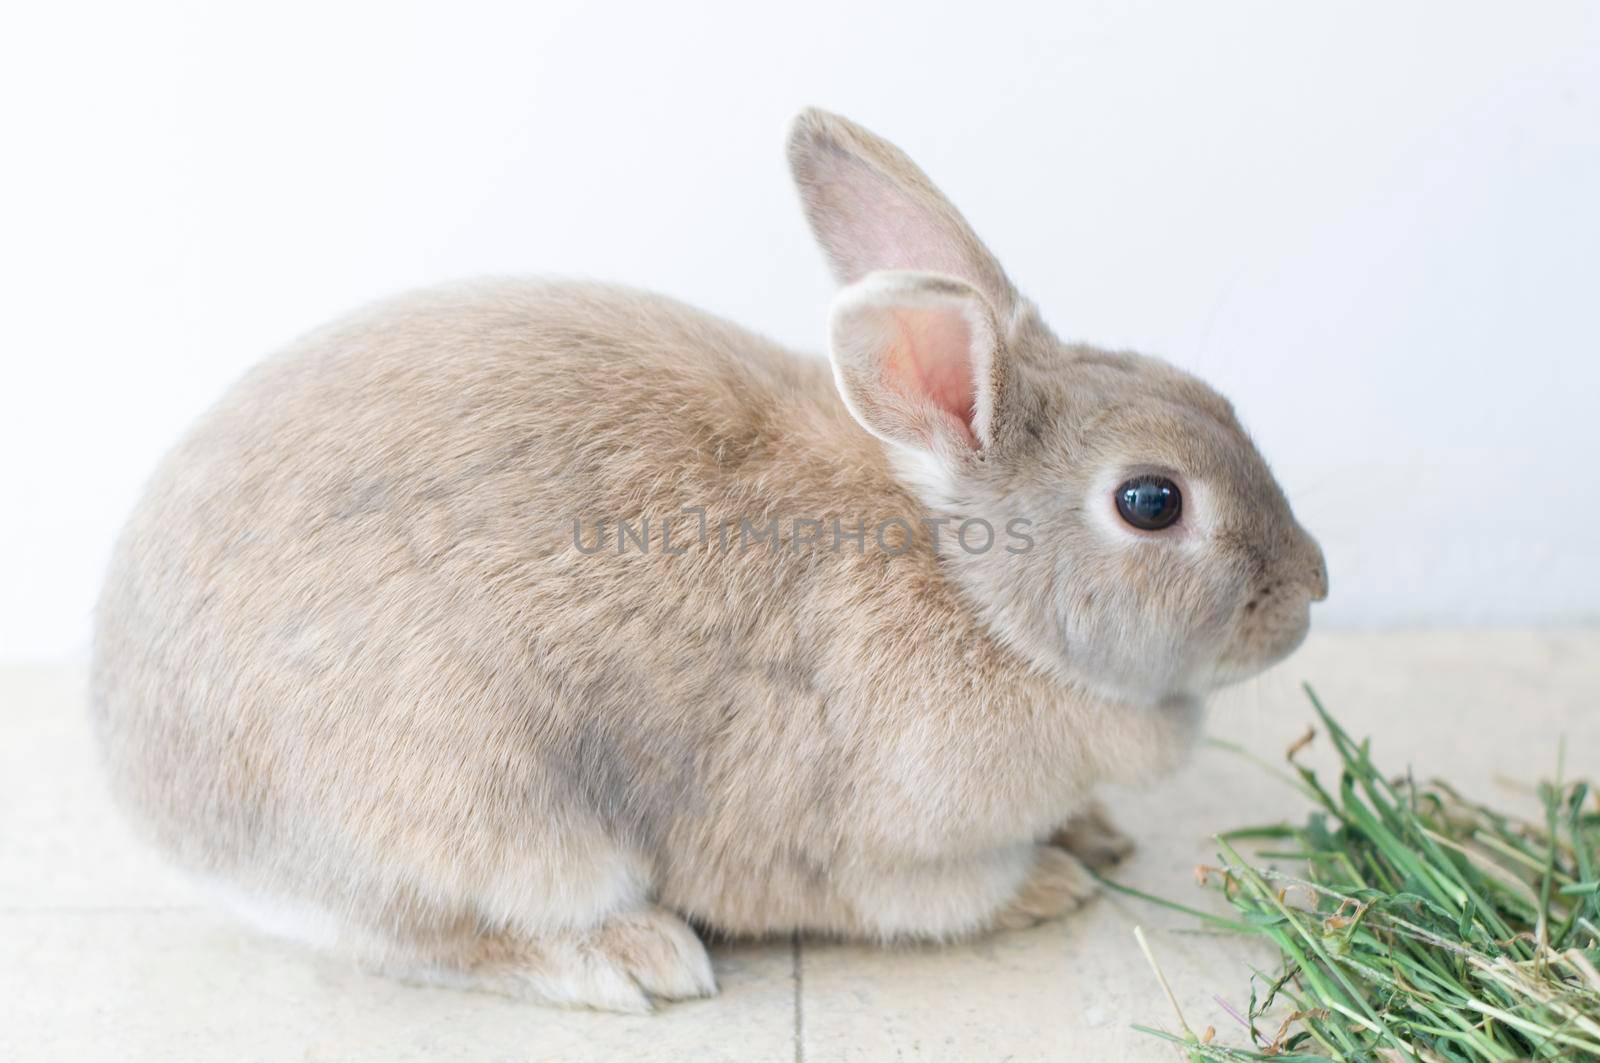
<point>932,362</point>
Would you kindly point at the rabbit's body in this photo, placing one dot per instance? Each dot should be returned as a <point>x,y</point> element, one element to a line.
<point>382,597</point>
<point>360,661</point>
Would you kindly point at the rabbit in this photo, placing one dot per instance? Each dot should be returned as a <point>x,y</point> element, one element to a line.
<point>512,635</point>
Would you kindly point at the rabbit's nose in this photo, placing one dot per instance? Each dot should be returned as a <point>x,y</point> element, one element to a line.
<point>1319,585</point>
<point>1318,575</point>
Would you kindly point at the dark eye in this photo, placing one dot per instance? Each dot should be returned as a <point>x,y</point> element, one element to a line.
<point>1150,503</point>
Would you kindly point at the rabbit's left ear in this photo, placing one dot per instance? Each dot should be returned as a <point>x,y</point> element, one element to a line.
<point>871,208</point>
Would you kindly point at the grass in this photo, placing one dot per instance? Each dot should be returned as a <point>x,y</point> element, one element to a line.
<point>1415,924</point>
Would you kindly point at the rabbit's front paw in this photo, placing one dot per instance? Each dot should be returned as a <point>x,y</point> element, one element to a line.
<point>1057,884</point>
<point>1093,838</point>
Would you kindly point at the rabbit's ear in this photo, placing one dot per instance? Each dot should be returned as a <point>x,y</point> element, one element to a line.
<point>871,208</point>
<point>915,358</point>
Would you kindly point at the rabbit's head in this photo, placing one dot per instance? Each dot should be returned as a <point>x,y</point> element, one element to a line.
<point>1144,547</point>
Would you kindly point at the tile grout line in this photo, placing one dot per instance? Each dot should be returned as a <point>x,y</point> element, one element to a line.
<point>799,1005</point>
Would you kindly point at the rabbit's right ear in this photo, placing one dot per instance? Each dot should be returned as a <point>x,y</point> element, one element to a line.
<point>871,208</point>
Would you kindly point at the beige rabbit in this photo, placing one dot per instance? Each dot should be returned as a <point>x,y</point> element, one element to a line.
<point>498,633</point>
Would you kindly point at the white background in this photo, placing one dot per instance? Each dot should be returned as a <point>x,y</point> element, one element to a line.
<point>1375,226</point>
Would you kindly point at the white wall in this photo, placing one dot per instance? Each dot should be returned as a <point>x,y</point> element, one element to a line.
<point>1375,226</point>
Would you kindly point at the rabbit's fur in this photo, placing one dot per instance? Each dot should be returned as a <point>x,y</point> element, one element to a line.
<point>356,666</point>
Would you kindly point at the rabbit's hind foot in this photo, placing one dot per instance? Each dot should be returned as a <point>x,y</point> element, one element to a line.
<point>624,964</point>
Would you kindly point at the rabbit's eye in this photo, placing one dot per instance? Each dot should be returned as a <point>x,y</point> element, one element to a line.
<point>1150,503</point>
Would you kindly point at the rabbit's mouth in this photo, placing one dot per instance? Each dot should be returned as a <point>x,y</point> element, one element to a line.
<point>1270,627</point>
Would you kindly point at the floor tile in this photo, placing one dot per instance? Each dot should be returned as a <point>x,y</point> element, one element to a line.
<point>190,985</point>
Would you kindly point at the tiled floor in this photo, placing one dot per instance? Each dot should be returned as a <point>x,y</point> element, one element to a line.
<point>105,954</point>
